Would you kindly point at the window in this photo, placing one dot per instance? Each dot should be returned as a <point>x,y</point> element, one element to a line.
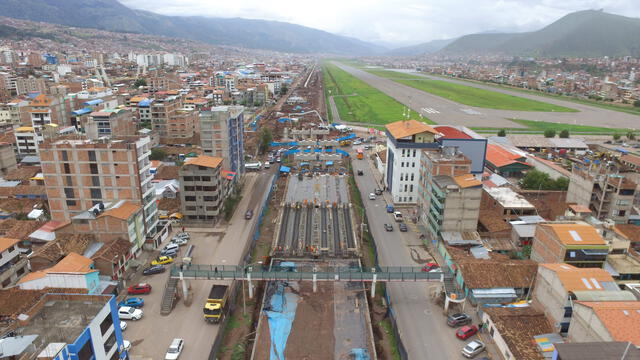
<point>111,341</point>
<point>622,212</point>
<point>402,152</point>
<point>20,271</point>
<point>410,198</point>
<point>67,169</point>
<point>188,178</point>
<point>86,352</point>
<point>211,208</point>
<point>191,208</point>
<point>209,188</point>
<point>208,198</point>
<point>411,188</point>
<point>65,156</point>
<point>96,194</point>
<point>71,203</point>
<point>412,177</point>
<point>68,192</point>
<point>206,178</point>
<point>401,177</point>
<point>414,152</point>
<point>94,168</point>
<point>106,324</point>
<point>189,198</point>
<point>12,248</point>
<point>413,164</point>
<point>405,187</point>
<point>92,155</point>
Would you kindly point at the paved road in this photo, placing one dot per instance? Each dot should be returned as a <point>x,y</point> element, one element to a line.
<point>444,111</point>
<point>421,323</point>
<point>151,336</point>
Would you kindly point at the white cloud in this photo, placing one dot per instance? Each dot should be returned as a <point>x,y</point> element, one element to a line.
<point>394,21</point>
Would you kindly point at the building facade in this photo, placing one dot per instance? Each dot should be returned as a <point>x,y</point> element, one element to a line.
<point>13,265</point>
<point>110,122</point>
<point>201,190</point>
<point>574,243</point>
<point>222,135</point>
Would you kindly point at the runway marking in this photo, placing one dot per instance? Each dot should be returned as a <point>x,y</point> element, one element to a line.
<point>470,112</point>
<point>430,110</point>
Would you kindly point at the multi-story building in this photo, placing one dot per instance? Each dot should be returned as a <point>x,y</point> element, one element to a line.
<point>13,265</point>
<point>30,85</point>
<point>201,190</point>
<point>222,135</point>
<point>110,122</point>
<point>74,271</point>
<point>47,109</point>
<point>405,142</point>
<point>609,196</point>
<point>605,321</point>
<point>183,124</point>
<point>63,327</point>
<point>80,173</point>
<point>575,243</point>
<point>7,158</point>
<point>506,202</point>
<point>448,196</point>
<point>161,111</point>
<point>26,141</point>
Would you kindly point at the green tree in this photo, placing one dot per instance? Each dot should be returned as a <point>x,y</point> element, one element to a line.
<point>140,82</point>
<point>265,139</point>
<point>157,154</point>
<point>538,180</point>
<point>502,133</point>
<point>616,137</point>
<point>549,133</point>
<point>564,134</point>
<point>636,103</point>
<point>631,135</point>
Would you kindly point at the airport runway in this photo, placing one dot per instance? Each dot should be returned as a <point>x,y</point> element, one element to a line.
<point>443,111</point>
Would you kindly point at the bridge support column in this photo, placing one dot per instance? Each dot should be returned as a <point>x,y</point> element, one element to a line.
<point>373,285</point>
<point>250,285</point>
<point>315,282</point>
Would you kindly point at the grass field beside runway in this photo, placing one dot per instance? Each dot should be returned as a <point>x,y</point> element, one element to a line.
<point>468,95</point>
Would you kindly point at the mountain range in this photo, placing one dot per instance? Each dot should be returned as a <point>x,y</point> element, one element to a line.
<point>111,15</point>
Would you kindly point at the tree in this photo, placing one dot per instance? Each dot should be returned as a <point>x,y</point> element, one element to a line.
<point>636,103</point>
<point>631,135</point>
<point>265,139</point>
<point>502,133</point>
<point>549,133</point>
<point>157,154</point>
<point>616,137</point>
<point>538,180</point>
<point>564,134</point>
<point>140,82</point>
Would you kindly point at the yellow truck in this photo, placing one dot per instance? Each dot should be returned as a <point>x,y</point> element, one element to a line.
<point>216,305</point>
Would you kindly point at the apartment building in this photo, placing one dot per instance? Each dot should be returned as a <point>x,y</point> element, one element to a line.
<point>507,203</point>
<point>26,141</point>
<point>7,158</point>
<point>47,109</point>
<point>222,135</point>
<point>448,195</point>
<point>80,173</point>
<point>201,190</point>
<point>575,243</point>
<point>405,142</point>
<point>13,265</point>
<point>608,195</point>
<point>183,124</point>
<point>162,110</point>
<point>110,122</point>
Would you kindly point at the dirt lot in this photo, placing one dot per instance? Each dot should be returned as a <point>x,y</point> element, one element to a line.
<point>306,342</point>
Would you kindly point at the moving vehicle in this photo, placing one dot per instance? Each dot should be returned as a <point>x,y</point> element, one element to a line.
<point>162,260</point>
<point>458,319</point>
<point>152,270</point>
<point>388,227</point>
<point>248,215</point>
<point>129,313</point>
<point>472,349</point>
<point>466,332</point>
<point>267,165</point>
<point>134,302</point>
<point>253,166</point>
<point>359,154</point>
<point>428,267</point>
<point>216,303</point>
<point>403,227</point>
<point>397,216</point>
<point>372,196</point>
<point>360,172</point>
<point>142,288</point>
<point>174,349</point>
<point>390,209</point>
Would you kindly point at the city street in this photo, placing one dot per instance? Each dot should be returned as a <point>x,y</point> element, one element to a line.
<point>421,323</point>
<point>151,336</point>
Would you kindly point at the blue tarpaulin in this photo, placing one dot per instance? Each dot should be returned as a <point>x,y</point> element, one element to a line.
<point>280,314</point>
<point>360,354</point>
<point>285,169</point>
<point>289,264</point>
<point>284,119</point>
<point>81,111</point>
<point>329,163</point>
<point>342,152</point>
<point>622,150</point>
<point>304,164</point>
<point>145,103</point>
<point>93,102</point>
<point>350,136</point>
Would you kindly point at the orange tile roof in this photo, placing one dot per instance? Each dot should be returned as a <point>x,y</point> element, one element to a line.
<point>467,180</point>
<point>580,279</point>
<point>621,318</point>
<point>576,234</point>
<point>206,161</point>
<point>632,159</point>
<point>401,129</point>
<point>124,211</point>
<point>628,231</point>
<point>72,263</point>
<point>499,156</point>
<point>40,100</point>
<point>6,243</point>
<point>578,209</point>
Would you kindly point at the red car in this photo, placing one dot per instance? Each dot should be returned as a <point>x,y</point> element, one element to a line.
<point>429,267</point>
<point>466,332</point>
<point>139,289</point>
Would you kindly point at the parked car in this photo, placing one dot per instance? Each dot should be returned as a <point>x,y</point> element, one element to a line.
<point>473,348</point>
<point>162,260</point>
<point>174,349</point>
<point>171,246</point>
<point>184,235</point>
<point>172,253</point>
<point>372,196</point>
<point>466,332</point>
<point>388,227</point>
<point>360,172</point>
<point>129,313</point>
<point>179,241</point>
<point>397,216</point>
<point>378,191</point>
<point>123,325</point>
<point>152,270</point>
<point>390,208</point>
<point>142,288</point>
<point>248,215</point>
<point>135,302</point>
<point>458,319</point>
<point>428,267</point>
<point>357,142</point>
<point>127,345</point>
<point>403,227</point>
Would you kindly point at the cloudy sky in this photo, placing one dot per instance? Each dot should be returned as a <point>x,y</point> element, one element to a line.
<point>397,22</point>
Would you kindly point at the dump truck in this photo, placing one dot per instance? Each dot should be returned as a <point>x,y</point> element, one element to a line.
<point>216,304</point>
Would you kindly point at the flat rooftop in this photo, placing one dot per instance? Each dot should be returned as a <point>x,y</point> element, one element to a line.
<point>319,189</point>
<point>508,198</point>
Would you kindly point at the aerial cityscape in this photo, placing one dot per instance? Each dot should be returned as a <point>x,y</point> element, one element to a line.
<point>270,180</point>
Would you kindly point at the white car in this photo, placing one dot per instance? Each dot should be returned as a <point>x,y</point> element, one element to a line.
<point>127,345</point>
<point>372,196</point>
<point>123,325</point>
<point>180,241</point>
<point>174,349</point>
<point>183,235</point>
<point>129,313</point>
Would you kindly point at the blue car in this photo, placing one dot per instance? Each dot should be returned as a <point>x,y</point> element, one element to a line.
<point>135,302</point>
